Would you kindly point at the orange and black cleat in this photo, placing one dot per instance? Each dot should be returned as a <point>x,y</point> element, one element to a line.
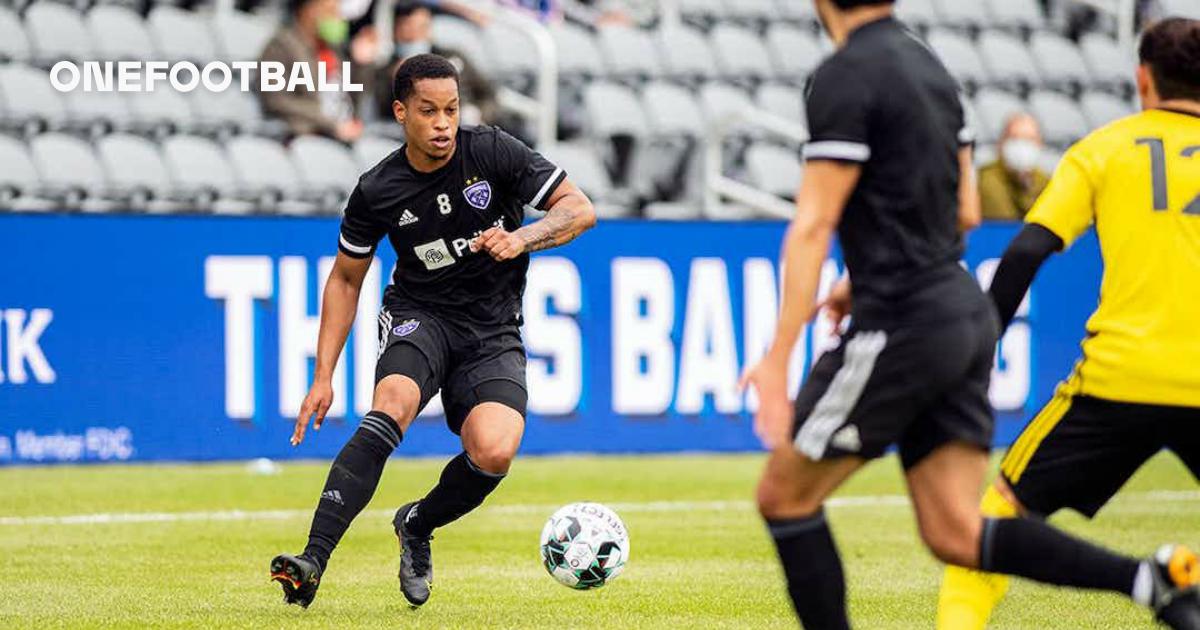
<point>1176,573</point>
<point>299,576</point>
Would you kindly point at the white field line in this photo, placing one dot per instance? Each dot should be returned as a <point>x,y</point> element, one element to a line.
<point>871,501</point>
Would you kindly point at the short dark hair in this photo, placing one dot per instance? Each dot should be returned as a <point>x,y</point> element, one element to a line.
<point>417,67</point>
<point>1171,48</point>
<point>850,4</point>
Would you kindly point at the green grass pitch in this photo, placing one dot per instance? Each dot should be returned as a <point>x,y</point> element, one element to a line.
<point>700,556</point>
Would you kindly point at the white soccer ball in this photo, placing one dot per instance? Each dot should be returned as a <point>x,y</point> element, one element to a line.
<point>585,545</point>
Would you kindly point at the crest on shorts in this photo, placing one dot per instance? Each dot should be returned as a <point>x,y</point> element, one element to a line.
<point>406,328</point>
<point>479,194</point>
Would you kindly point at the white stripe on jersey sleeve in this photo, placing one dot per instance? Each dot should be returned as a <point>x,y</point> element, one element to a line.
<point>546,187</point>
<point>837,150</point>
<point>350,247</point>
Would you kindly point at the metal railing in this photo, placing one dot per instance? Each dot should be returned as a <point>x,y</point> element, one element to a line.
<point>718,186</point>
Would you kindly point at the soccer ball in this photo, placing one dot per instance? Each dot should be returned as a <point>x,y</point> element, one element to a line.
<point>585,545</point>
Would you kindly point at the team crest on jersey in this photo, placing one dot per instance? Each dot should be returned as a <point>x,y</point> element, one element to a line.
<point>478,194</point>
<point>406,328</point>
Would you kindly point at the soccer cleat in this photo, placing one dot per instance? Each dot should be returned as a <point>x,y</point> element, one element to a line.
<point>1175,570</point>
<point>299,577</point>
<point>416,563</point>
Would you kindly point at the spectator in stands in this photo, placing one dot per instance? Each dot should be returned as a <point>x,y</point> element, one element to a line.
<point>314,32</point>
<point>1009,186</point>
<point>590,13</point>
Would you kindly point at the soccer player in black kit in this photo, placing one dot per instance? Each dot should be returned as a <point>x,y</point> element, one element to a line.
<point>889,167</point>
<point>451,201</point>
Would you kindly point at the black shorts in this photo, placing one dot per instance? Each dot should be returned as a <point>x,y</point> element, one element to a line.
<point>1079,450</point>
<point>918,387</point>
<point>470,363</point>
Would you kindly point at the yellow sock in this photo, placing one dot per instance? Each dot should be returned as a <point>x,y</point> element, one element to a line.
<point>968,597</point>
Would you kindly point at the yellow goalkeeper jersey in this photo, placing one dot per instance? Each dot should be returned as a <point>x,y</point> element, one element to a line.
<point>1138,181</point>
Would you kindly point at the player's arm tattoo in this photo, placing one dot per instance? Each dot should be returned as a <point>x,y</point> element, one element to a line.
<point>568,217</point>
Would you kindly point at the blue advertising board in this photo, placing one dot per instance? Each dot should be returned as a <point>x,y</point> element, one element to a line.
<point>191,338</point>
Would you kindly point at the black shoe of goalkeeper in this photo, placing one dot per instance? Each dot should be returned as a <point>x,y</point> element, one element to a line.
<point>1176,574</point>
<point>299,576</point>
<point>416,563</point>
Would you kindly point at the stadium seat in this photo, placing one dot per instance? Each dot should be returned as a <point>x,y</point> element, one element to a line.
<point>119,34</point>
<point>1008,61</point>
<point>731,212</point>
<point>1061,64</point>
<point>229,112</point>
<point>959,55</point>
<point>240,36</point>
<point>29,100</point>
<point>370,150</point>
<point>136,172</point>
<point>781,100</point>
<point>630,52</point>
<point>180,35</point>
<point>960,13</point>
<point>19,181</point>
<point>512,53</point>
<point>1111,67</point>
<point>327,170</point>
<point>1181,8</point>
<point>1101,108</point>
<point>14,45</point>
<point>464,37</point>
<point>161,112</point>
<point>803,13</point>
<point>584,168</point>
<point>993,109</point>
<point>70,172</point>
<point>672,211</point>
<point>201,172</point>
<point>670,109</point>
<point>702,10</point>
<point>686,53</point>
<point>265,172</point>
<point>1024,14</point>
<point>1062,121</point>
<point>719,101</point>
<point>795,52</point>
<point>773,169</point>
<point>740,53</point>
<point>579,56</point>
<point>764,11</point>
<point>613,110</point>
<point>95,113</point>
<point>56,32</point>
<point>667,162</point>
<point>918,13</point>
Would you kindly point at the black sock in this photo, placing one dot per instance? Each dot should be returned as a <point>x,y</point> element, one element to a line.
<point>814,571</point>
<point>462,488</point>
<point>351,482</point>
<point>1032,549</point>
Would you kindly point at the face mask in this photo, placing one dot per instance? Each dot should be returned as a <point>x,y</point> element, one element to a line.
<point>1021,155</point>
<point>333,31</point>
<point>404,50</point>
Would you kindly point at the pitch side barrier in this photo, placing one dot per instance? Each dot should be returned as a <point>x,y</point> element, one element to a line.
<point>191,338</point>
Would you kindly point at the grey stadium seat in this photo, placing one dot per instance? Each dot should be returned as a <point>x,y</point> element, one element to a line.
<point>14,45</point>
<point>370,150</point>
<point>180,35</point>
<point>162,110</point>
<point>136,171</point>
<point>28,97</point>
<point>327,169</point>
<point>230,110</point>
<point>740,53</point>
<point>1101,108</point>
<point>783,101</point>
<point>119,34</point>
<point>630,52</point>
<point>802,12</point>
<point>1008,60</point>
<point>240,36</point>
<point>614,110</point>
<point>960,13</point>
<point>94,112</point>
<point>1062,121</point>
<point>758,10</point>
<point>70,171</point>
<point>578,53</point>
<point>918,13</point>
<point>19,182</point>
<point>796,53</point>
<point>1016,14</point>
<point>264,170</point>
<point>1060,61</point>
<point>719,100</point>
<point>686,53</point>
<point>672,211</point>
<point>200,170</point>
<point>667,166</point>
<point>705,9</point>
<point>584,167</point>
<point>463,36</point>
<point>1181,8</point>
<point>959,55</point>
<point>993,108</point>
<point>56,32</point>
<point>671,109</point>
<point>774,169</point>
<point>511,50</point>
<point>1110,66</point>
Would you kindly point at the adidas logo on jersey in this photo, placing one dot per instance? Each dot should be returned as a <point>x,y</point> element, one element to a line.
<point>408,218</point>
<point>847,439</point>
<point>333,495</point>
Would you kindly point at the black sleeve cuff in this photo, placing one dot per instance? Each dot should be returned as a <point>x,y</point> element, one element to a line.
<point>354,251</point>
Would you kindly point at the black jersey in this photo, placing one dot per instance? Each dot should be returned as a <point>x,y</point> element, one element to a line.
<point>431,218</point>
<point>885,101</point>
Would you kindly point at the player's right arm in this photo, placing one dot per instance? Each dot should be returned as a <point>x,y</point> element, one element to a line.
<point>360,233</point>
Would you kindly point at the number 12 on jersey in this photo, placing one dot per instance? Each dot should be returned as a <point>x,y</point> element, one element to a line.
<point>1158,172</point>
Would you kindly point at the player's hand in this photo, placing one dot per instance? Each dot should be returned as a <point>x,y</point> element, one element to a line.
<point>837,304</point>
<point>318,401</point>
<point>499,243</point>
<point>772,421</point>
